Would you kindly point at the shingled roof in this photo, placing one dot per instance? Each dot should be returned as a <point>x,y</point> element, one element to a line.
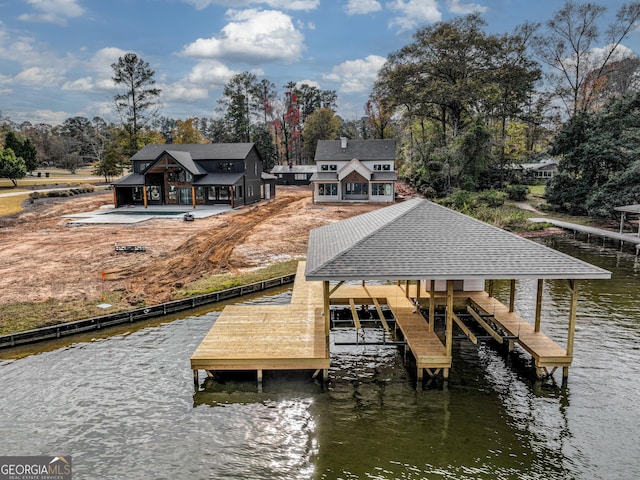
<point>207,151</point>
<point>360,149</point>
<point>419,239</point>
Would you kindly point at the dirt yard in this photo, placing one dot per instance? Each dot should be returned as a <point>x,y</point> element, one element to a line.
<point>43,256</point>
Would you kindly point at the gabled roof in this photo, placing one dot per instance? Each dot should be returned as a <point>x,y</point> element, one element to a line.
<point>354,165</point>
<point>360,149</point>
<point>185,160</point>
<point>131,180</point>
<point>208,151</point>
<point>419,239</point>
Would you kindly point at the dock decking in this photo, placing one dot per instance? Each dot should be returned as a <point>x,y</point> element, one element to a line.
<point>268,337</point>
<point>294,336</point>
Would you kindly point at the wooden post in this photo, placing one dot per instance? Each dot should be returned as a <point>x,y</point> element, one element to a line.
<point>326,310</point>
<point>573,286</point>
<point>622,221</point>
<point>538,305</point>
<point>418,282</point>
<point>406,288</point>
<point>231,195</point>
<point>259,381</point>
<point>144,195</point>
<point>512,296</point>
<point>115,197</point>
<point>432,306</point>
<point>196,380</point>
<point>449,335</point>
<point>490,292</point>
<point>193,196</point>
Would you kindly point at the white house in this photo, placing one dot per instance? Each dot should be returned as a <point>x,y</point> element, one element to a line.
<point>355,170</point>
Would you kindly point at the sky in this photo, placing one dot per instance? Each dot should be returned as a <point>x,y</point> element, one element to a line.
<point>56,55</point>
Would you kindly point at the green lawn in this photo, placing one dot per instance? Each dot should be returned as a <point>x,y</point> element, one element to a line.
<point>13,204</point>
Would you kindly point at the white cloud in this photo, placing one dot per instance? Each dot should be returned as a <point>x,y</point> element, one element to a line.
<point>210,73</point>
<point>84,84</point>
<point>465,8</point>
<point>252,36</point>
<point>357,75</point>
<point>184,93</point>
<point>39,77</point>
<point>362,7</point>
<point>280,4</point>
<point>53,11</point>
<point>414,13</point>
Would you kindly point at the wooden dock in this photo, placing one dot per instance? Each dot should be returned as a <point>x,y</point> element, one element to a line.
<point>427,348</point>
<point>268,337</point>
<point>632,239</point>
<point>545,352</point>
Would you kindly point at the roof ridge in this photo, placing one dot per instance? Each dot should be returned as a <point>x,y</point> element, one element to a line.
<point>416,201</point>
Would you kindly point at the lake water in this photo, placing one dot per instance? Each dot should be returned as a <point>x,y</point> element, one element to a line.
<point>124,406</point>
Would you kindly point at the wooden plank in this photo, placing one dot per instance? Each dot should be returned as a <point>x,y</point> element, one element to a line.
<point>465,329</point>
<point>484,324</point>
<point>354,313</point>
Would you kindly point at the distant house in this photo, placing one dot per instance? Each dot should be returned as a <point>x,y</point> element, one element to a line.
<point>355,170</point>
<point>542,170</point>
<point>194,174</point>
<point>293,174</point>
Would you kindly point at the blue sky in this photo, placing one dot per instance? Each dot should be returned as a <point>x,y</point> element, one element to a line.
<point>56,55</point>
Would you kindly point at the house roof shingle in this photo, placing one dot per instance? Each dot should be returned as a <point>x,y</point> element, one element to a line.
<point>360,149</point>
<point>208,151</point>
<point>419,239</point>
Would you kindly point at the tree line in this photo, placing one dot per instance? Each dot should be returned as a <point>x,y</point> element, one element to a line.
<point>464,106</point>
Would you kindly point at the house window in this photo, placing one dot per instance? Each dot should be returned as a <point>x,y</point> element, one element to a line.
<point>381,189</point>
<point>213,193</point>
<point>357,189</point>
<point>239,191</point>
<point>173,193</point>
<point>300,176</point>
<point>250,191</point>
<point>185,196</point>
<point>324,168</point>
<point>137,194</point>
<point>224,193</point>
<point>199,193</point>
<point>225,166</point>
<point>382,166</point>
<point>327,168</point>
<point>328,189</point>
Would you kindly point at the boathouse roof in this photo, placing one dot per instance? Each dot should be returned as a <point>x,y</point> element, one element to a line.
<point>419,239</point>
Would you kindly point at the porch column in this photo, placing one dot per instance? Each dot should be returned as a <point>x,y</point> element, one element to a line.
<point>573,286</point>
<point>538,305</point>
<point>622,221</point>
<point>193,196</point>
<point>144,195</point>
<point>115,197</point>
<point>232,195</point>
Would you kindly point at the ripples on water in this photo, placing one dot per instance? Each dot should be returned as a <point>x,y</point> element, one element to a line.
<point>124,405</point>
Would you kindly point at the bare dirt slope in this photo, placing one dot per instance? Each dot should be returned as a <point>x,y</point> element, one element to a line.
<point>42,256</point>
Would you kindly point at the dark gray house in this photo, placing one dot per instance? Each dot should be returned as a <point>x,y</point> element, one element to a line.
<point>355,170</point>
<point>193,174</point>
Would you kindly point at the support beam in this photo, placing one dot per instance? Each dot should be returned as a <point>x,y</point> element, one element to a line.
<point>354,313</point>
<point>115,197</point>
<point>512,295</point>
<point>432,306</point>
<point>383,320</point>
<point>406,288</point>
<point>538,306</point>
<point>196,380</point>
<point>331,292</point>
<point>418,290</point>
<point>259,381</point>
<point>490,289</point>
<point>449,335</point>
<point>326,310</point>
<point>485,325</point>
<point>573,286</point>
<point>144,196</point>
<point>193,196</point>
<point>464,328</point>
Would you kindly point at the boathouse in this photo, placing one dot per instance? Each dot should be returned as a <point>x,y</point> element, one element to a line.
<point>408,258</point>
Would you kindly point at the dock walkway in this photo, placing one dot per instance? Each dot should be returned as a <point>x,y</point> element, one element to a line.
<point>268,337</point>
<point>598,232</point>
<point>545,352</point>
<point>425,345</point>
